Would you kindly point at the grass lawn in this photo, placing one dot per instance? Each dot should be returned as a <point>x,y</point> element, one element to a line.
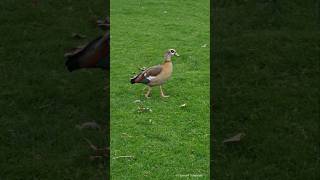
<point>266,76</point>
<point>40,102</point>
<point>169,141</point>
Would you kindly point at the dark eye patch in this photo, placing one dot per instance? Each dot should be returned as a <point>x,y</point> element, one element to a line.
<point>172,51</point>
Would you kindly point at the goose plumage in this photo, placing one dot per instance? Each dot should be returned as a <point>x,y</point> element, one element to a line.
<point>156,75</point>
<point>95,54</point>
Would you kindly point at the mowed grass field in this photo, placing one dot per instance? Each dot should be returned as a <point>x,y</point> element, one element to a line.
<point>171,141</point>
<point>40,102</point>
<point>266,85</point>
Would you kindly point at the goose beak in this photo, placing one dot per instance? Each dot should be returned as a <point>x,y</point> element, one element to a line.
<point>177,54</point>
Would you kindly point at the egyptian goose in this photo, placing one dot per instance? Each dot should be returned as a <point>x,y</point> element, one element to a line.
<point>156,75</point>
<point>95,54</point>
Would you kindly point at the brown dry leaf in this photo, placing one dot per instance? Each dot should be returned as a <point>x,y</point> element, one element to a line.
<point>237,138</point>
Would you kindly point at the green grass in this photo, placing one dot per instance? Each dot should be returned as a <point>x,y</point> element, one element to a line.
<point>40,102</point>
<point>169,141</point>
<point>265,75</point>
<point>264,83</point>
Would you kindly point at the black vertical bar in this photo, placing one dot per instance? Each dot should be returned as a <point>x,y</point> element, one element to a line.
<point>212,58</point>
<point>108,96</point>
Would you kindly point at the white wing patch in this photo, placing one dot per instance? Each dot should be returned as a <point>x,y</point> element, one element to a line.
<point>150,77</point>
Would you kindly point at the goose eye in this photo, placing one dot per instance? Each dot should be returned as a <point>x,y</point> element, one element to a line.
<point>172,51</point>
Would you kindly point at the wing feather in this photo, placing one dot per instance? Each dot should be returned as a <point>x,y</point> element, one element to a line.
<point>147,75</point>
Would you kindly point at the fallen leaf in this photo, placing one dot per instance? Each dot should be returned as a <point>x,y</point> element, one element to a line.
<point>237,138</point>
<point>125,135</point>
<point>137,101</point>
<point>144,109</point>
<point>183,105</point>
<point>117,157</point>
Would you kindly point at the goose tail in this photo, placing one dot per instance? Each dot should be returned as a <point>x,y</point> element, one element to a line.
<point>72,64</point>
<point>133,80</point>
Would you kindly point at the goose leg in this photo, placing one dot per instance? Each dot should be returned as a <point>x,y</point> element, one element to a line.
<point>162,94</point>
<point>148,93</point>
